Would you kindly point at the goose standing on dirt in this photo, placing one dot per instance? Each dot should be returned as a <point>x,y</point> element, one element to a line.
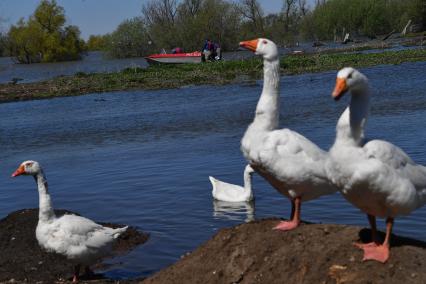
<point>291,163</point>
<point>81,240</point>
<point>228,192</point>
<point>378,177</point>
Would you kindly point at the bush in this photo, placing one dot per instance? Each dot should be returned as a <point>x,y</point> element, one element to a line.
<point>43,38</point>
<point>130,39</point>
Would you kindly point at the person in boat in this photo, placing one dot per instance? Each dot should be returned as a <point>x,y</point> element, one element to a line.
<point>207,50</point>
<point>217,52</point>
<point>177,50</point>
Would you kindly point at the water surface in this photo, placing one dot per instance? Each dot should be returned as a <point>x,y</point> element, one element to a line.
<point>143,157</point>
<point>96,62</point>
<point>93,62</point>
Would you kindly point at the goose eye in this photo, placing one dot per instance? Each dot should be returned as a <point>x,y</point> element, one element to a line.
<point>350,76</point>
<point>29,164</point>
<point>265,42</point>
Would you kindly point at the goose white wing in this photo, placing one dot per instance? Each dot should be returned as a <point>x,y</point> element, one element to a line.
<point>296,160</point>
<point>77,237</point>
<point>292,152</point>
<point>398,160</point>
<point>381,179</point>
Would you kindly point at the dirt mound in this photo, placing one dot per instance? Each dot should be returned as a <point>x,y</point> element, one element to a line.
<point>315,253</point>
<point>22,259</point>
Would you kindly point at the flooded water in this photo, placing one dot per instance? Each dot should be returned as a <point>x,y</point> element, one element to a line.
<point>93,62</point>
<point>96,62</point>
<point>143,158</point>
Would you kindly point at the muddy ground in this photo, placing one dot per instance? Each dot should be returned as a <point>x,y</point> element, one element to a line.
<point>315,253</point>
<point>22,260</point>
<point>247,253</point>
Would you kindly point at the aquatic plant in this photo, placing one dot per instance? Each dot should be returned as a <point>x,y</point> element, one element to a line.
<point>219,73</point>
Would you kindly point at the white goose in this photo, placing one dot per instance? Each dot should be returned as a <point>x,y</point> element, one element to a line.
<point>81,240</point>
<point>378,177</point>
<point>291,163</point>
<point>228,192</point>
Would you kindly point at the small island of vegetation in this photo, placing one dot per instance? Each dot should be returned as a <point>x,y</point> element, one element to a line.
<point>174,76</point>
<point>45,37</point>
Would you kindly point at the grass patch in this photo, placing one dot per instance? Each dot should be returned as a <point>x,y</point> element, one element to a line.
<point>173,76</point>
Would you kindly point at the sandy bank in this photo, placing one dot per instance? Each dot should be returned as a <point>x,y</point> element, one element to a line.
<point>316,253</point>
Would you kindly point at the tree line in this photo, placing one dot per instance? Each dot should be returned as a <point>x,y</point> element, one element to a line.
<point>44,37</point>
<point>187,23</point>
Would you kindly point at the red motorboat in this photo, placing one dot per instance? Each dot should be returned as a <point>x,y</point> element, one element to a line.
<point>174,58</point>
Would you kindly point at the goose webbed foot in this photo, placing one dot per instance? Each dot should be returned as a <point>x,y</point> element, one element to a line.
<point>286,225</point>
<point>295,217</point>
<point>373,251</point>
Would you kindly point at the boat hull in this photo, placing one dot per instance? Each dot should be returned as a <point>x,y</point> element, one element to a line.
<point>179,58</point>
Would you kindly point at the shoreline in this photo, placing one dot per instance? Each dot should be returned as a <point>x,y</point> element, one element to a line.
<point>175,76</point>
<point>313,253</point>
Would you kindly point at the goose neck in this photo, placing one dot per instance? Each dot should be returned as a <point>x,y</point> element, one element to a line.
<point>247,180</point>
<point>46,212</point>
<point>267,110</point>
<point>350,127</point>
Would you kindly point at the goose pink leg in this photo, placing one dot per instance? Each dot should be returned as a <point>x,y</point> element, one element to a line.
<point>372,221</point>
<point>295,217</point>
<point>379,252</point>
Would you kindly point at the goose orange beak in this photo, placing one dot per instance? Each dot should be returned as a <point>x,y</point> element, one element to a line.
<point>19,171</point>
<point>250,44</point>
<point>339,89</point>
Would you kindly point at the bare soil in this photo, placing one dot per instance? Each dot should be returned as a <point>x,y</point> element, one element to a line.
<point>23,261</point>
<point>247,253</point>
<point>313,253</point>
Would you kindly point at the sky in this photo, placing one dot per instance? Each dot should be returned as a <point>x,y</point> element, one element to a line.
<point>93,17</point>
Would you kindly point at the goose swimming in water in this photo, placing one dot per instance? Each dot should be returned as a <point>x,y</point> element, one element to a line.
<point>229,192</point>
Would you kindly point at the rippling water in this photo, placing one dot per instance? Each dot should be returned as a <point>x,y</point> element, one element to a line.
<point>94,62</point>
<point>143,157</point>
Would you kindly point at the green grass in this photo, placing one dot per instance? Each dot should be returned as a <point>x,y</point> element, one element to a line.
<point>174,76</point>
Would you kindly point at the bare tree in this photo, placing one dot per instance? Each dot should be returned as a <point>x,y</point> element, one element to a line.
<point>303,8</point>
<point>288,9</point>
<point>191,7</point>
<point>162,12</point>
<point>251,10</point>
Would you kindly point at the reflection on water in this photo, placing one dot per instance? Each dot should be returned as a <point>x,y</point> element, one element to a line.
<point>233,210</point>
<point>142,158</point>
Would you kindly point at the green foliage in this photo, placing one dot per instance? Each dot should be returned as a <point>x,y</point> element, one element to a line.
<point>363,17</point>
<point>215,19</point>
<point>186,23</point>
<point>97,42</point>
<point>49,16</point>
<point>130,39</point>
<point>43,38</point>
<point>3,44</point>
